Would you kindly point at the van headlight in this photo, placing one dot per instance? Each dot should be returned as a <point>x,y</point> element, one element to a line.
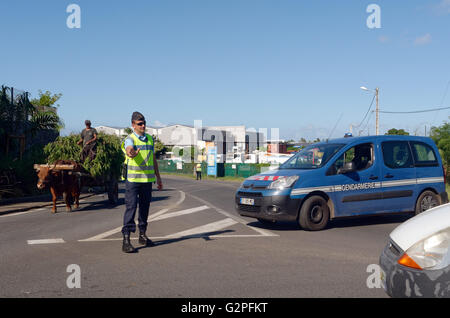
<point>430,253</point>
<point>283,182</point>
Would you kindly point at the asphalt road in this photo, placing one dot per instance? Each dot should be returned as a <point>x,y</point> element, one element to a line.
<point>203,249</point>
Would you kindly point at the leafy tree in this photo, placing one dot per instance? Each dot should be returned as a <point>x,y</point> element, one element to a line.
<point>20,117</point>
<point>394,131</point>
<point>14,113</point>
<point>160,148</point>
<point>441,137</point>
<point>43,117</point>
<point>46,99</point>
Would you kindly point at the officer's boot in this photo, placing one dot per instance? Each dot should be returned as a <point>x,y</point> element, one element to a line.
<point>127,247</point>
<point>144,240</point>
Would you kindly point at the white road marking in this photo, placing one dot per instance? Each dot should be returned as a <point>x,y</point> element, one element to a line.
<point>102,236</point>
<point>178,213</point>
<point>200,231</point>
<point>197,235</point>
<point>46,241</point>
<point>203,229</point>
<point>20,213</point>
<point>236,218</point>
<point>154,217</point>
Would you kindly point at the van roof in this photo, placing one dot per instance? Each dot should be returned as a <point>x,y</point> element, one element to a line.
<point>379,137</point>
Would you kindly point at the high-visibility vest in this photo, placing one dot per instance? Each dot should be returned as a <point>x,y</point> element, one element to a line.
<point>199,167</point>
<point>140,168</point>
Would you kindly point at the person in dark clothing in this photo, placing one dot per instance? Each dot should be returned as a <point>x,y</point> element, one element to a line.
<point>198,170</point>
<point>89,140</point>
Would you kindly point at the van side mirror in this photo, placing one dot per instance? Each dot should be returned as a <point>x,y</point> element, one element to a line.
<point>347,168</point>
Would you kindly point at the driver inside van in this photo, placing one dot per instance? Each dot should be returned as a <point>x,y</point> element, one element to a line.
<point>363,157</point>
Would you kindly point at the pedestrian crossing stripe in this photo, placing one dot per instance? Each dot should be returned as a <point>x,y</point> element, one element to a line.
<point>207,230</point>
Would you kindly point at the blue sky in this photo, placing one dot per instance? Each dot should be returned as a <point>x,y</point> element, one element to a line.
<point>288,64</point>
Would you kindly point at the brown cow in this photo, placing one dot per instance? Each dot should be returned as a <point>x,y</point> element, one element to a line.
<point>60,182</point>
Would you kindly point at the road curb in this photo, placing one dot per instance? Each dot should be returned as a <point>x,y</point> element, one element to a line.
<point>37,206</point>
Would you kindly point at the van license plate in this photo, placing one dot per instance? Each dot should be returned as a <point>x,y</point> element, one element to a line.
<point>247,201</point>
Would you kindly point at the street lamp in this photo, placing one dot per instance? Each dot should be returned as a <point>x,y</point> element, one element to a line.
<point>376,112</point>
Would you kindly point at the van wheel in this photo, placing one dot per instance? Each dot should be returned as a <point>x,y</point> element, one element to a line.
<point>314,214</point>
<point>426,201</point>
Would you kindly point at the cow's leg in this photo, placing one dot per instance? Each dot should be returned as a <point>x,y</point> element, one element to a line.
<point>54,197</point>
<point>76,196</point>
<point>67,201</point>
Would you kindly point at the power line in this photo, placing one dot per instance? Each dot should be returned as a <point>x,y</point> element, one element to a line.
<point>414,112</point>
<point>367,123</point>
<point>443,99</point>
<point>335,125</point>
<point>445,93</point>
<point>366,112</point>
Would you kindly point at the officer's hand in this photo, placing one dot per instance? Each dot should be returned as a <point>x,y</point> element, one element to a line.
<point>160,185</point>
<point>131,152</point>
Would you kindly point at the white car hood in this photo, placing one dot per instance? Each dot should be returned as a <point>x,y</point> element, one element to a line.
<point>421,226</point>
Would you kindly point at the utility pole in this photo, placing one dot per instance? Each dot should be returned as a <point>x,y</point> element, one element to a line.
<point>377,124</point>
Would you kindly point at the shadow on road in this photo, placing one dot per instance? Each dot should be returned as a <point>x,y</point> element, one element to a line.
<point>369,220</point>
<point>159,198</point>
<point>99,205</point>
<point>279,226</point>
<point>205,236</point>
<point>154,189</point>
<point>105,204</point>
<point>338,223</point>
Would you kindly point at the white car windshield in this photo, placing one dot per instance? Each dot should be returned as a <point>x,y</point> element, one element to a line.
<point>312,157</point>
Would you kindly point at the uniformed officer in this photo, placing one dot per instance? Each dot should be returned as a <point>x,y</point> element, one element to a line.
<point>140,170</point>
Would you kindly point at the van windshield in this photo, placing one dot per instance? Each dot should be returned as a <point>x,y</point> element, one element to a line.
<point>312,157</point>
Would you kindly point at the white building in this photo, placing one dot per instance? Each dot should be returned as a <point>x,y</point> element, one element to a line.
<point>118,131</point>
<point>234,143</point>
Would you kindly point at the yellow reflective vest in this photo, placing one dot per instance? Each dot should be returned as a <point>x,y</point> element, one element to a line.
<point>140,168</point>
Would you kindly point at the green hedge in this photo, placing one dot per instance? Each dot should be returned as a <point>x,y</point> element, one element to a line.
<point>244,170</point>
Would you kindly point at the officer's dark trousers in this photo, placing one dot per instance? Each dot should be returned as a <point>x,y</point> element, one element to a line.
<point>136,193</point>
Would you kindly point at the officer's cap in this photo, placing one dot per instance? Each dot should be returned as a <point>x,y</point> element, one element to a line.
<point>137,116</point>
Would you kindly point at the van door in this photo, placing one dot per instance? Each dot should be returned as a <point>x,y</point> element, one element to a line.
<point>398,177</point>
<point>357,192</point>
<point>429,172</point>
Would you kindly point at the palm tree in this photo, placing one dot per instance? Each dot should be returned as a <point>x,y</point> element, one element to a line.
<point>47,120</point>
<point>19,117</point>
<point>43,115</point>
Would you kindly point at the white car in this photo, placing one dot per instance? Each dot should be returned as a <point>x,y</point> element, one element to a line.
<point>416,260</point>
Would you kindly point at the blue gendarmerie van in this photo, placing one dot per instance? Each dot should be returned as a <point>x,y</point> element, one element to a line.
<point>347,177</point>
